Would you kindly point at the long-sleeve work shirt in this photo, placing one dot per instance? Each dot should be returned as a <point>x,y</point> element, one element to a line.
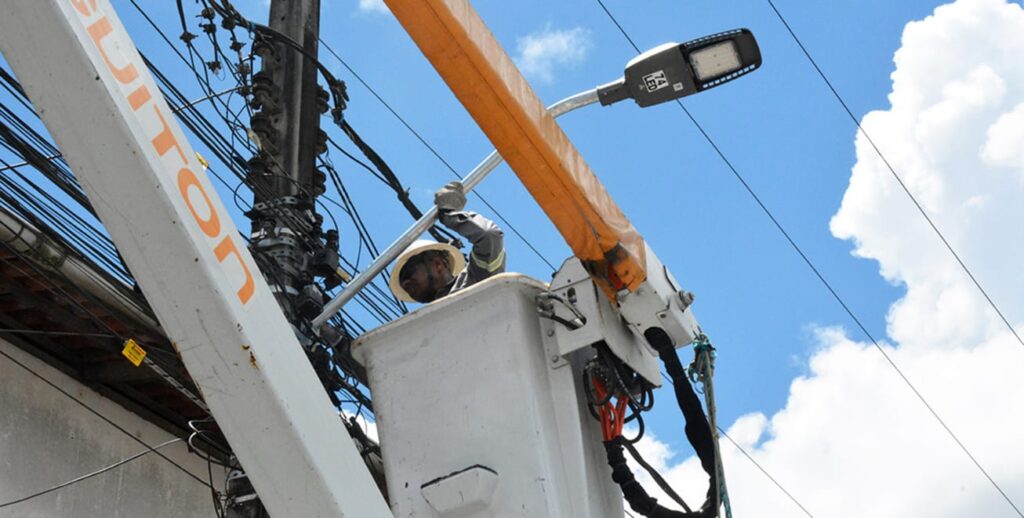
<point>487,257</point>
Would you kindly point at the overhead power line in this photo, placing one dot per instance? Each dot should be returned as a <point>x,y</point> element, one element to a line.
<point>825,282</point>
<point>895,175</point>
<point>765,472</point>
<point>934,228</point>
<point>226,151</point>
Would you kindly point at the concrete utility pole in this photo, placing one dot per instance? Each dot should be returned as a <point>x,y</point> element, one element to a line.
<point>286,181</point>
<point>295,120</point>
<point>284,175</point>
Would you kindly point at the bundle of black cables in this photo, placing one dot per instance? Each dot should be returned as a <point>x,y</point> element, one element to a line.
<point>698,433</point>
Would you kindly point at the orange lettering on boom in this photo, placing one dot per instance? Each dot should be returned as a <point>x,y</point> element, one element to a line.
<point>138,98</point>
<point>99,30</point>
<point>186,179</point>
<point>165,140</point>
<point>227,247</point>
<point>86,10</point>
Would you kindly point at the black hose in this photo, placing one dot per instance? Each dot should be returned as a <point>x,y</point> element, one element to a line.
<point>697,429</point>
<point>658,479</point>
<point>634,493</point>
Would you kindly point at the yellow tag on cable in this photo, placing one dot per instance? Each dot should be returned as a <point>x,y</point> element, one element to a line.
<point>202,161</point>
<point>133,352</point>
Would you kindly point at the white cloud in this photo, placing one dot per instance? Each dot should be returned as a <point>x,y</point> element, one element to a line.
<point>1003,145</point>
<point>373,6</point>
<point>541,53</point>
<point>852,440</point>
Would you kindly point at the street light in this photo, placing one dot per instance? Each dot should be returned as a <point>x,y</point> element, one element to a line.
<point>661,74</point>
<point>673,70</point>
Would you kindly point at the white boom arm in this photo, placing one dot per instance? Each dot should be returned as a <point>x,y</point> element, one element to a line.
<point>98,100</point>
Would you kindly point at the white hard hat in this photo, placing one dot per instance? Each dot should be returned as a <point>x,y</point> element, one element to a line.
<point>455,260</point>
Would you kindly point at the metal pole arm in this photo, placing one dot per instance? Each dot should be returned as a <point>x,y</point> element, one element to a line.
<point>469,182</point>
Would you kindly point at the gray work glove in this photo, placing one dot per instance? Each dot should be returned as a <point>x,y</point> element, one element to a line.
<point>450,197</point>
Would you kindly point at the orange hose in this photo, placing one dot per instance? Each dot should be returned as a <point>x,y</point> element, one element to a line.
<point>612,417</point>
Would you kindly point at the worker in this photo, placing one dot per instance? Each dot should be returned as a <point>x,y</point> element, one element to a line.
<point>428,270</point>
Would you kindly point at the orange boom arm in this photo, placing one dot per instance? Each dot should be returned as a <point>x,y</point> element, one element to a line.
<point>497,96</point>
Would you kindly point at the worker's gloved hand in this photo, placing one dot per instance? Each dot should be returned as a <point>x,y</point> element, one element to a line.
<point>450,198</point>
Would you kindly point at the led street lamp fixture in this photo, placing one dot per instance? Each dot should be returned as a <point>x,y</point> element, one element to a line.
<point>673,70</point>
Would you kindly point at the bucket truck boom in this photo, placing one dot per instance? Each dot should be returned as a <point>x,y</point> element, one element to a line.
<point>483,77</point>
<point>100,103</point>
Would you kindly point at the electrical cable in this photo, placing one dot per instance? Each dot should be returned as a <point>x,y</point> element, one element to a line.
<point>336,87</point>
<point>55,333</point>
<point>895,175</point>
<point>598,372</point>
<point>764,472</point>
<point>363,234</point>
<point>11,85</point>
<point>224,450</point>
<point>658,479</point>
<point>227,153</point>
<point>25,141</point>
<point>696,428</point>
<point>15,206</point>
<point>101,416</point>
<point>235,159</point>
<point>47,280</point>
<point>14,166</point>
<point>231,90</point>
<point>433,151</point>
<point>358,162</point>
<point>47,207</point>
<point>752,460</point>
<point>831,290</point>
<point>365,237</point>
<point>376,160</point>
<point>17,136</point>
<point>73,229</point>
<point>89,475</point>
<point>199,126</point>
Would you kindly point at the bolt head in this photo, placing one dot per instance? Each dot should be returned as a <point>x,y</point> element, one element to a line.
<point>685,298</point>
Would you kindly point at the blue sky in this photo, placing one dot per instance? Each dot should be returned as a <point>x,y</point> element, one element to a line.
<point>776,326</point>
<point>780,127</point>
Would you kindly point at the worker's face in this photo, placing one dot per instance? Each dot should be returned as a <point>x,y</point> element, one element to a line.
<point>424,278</point>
